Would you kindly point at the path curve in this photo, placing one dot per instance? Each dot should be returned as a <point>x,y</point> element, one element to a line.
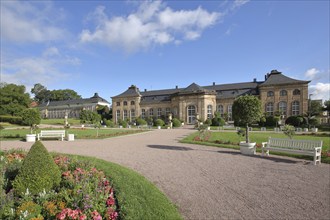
<point>213,183</point>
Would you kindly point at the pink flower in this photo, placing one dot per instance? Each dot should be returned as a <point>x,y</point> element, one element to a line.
<point>110,201</point>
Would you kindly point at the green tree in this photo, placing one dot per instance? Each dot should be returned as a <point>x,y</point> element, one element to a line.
<point>31,117</point>
<point>41,93</point>
<point>327,105</point>
<point>13,99</point>
<point>63,94</point>
<point>247,110</point>
<point>90,117</point>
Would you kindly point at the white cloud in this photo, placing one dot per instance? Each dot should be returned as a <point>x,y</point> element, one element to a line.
<point>51,51</point>
<point>239,3</point>
<point>320,91</point>
<point>311,73</point>
<point>30,70</point>
<point>23,21</point>
<point>152,24</point>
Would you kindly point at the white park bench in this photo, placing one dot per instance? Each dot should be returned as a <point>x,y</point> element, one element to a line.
<point>303,147</point>
<point>51,134</point>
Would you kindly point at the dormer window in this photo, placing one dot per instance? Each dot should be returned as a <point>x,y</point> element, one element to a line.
<point>132,103</point>
<point>125,103</point>
<point>270,93</point>
<point>296,92</point>
<point>283,93</point>
<point>117,103</point>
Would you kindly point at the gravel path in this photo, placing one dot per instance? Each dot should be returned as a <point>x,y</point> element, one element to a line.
<point>213,183</point>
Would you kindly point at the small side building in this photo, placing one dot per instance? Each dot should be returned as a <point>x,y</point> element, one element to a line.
<point>71,108</point>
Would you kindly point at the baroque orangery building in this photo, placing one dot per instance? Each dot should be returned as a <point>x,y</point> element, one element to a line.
<point>278,94</point>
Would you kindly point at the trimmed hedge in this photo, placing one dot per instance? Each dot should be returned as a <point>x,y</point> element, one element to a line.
<point>176,122</point>
<point>11,119</point>
<point>38,173</point>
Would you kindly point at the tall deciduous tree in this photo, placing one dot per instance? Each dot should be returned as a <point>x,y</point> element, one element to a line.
<point>247,110</point>
<point>13,99</point>
<point>42,94</point>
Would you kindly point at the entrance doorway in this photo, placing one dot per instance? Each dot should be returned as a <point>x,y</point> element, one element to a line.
<point>191,113</point>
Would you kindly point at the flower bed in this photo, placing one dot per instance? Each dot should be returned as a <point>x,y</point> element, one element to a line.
<point>84,192</point>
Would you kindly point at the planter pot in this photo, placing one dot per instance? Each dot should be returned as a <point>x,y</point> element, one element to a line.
<point>247,148</point>
<point>208,128</point>
<point>305,129</point>
<point>159,127</point>
<point>30,138</point>
<point>70,137</point>
<point>314,129</point>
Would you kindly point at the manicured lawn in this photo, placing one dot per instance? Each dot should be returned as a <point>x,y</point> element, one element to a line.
<point>19,134</point>
<point>137,197</point>
<point>71,121</point>
<point>220,139</point>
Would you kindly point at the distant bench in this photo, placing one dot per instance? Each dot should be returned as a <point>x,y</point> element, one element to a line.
<point>303,147</point>
<point>51,134</point>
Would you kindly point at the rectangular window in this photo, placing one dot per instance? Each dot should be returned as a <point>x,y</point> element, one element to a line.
<point>209,112</point>
<point>132,113</point>
<point>151,112</point>
<point>230,113</point>
<point>159,112</point>
<point>167,111</point>
<point>125,114</point>
<point>143,113</point>
<point>117,115</point>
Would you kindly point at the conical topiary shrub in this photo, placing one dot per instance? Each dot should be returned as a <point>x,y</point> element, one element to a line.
<point>38,173</point>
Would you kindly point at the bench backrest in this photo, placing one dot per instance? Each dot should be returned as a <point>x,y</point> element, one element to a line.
<point>52,132</point>
<point>294,144</point>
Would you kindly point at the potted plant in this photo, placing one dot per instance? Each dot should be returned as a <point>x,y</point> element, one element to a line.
<point>32,118</point>
<point>246,110</point>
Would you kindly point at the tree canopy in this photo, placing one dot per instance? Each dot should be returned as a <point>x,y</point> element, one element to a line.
<point>88,116</point>
<point>246,109</point>
<point>13,99</point>
<point>42,94</point>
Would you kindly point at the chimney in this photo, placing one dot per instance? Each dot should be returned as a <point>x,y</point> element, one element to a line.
<point>176,87</point>
<point>145,90</point>
<point>254,80</point>
<point>214,83</point>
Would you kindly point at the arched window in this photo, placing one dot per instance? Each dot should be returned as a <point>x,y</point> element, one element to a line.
<point>125,103</point>
<point>296,92</point>
<point>117,103</point>
<point>209,111</point>
<point>282,107</point>
<point>132,103</point>
<point>295,108</point>
<point>220,110</point>
<point>270,93</point>
<point>270,108</point>
<point>191,110</point>
<point>283,93</point>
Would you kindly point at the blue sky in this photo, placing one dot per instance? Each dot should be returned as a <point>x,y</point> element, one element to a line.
<point>106,46</point>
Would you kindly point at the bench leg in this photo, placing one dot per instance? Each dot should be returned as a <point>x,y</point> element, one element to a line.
<point>317,157</point>
<point>263,152</point>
